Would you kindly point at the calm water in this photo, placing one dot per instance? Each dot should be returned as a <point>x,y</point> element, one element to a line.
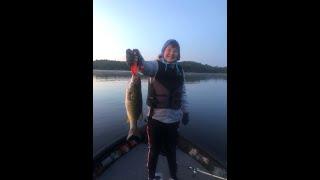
<point>207,97</point>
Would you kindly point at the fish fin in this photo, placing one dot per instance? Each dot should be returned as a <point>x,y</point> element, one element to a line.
<point>141,116</point>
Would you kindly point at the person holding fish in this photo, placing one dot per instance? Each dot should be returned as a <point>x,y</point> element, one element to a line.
<point>167,102</point>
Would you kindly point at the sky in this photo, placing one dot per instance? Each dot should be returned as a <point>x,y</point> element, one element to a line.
<point>200,27</point>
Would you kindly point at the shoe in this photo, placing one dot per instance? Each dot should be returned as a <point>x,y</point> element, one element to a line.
<point>158,176</point>
<point>173,178</point>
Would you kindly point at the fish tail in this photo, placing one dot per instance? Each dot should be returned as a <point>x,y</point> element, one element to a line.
<point>134,133</point>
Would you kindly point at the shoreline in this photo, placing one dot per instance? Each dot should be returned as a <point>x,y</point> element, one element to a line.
<point>128,72</point>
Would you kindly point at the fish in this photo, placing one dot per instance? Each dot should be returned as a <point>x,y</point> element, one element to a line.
<point>133,104</point>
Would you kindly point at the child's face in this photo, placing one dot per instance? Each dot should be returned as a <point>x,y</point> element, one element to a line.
<point>171,53</point>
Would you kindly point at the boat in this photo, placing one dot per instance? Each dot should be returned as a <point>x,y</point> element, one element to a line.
<point>127,159</point>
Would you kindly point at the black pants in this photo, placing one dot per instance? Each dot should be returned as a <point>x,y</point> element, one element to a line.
<point>162,135</point>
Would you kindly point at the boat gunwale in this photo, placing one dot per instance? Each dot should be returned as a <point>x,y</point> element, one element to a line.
<point>186,146</point>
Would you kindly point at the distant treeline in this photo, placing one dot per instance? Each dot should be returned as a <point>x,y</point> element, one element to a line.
<point>188,66</point>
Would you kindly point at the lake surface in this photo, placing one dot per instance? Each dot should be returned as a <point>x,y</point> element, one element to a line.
<point>207,97</point>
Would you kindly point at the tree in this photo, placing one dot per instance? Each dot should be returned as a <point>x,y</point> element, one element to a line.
<point>188,66</point>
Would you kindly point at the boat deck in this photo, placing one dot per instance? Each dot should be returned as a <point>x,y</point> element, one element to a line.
<point>133,166</point>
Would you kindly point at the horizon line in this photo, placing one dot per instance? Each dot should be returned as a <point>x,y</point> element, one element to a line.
<point>179,60</point>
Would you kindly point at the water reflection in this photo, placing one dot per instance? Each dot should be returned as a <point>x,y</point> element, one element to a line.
<point>197,77</point>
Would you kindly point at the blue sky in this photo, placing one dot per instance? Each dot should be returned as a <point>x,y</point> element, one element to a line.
<point>200,26</point>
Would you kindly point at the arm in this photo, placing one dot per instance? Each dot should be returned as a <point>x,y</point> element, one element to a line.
<point>184,102</point>
<point>149,68</point>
